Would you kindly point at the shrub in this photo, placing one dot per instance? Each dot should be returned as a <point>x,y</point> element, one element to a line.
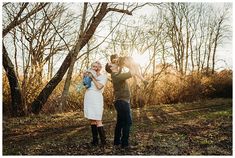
<point>220,84</point>
<point>168,87</point>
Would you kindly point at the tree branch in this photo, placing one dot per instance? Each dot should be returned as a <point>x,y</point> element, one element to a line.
<point>17,22</point>
<point>119,10</point>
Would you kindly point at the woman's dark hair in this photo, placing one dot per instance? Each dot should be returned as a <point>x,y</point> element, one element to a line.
<point>107,68</point>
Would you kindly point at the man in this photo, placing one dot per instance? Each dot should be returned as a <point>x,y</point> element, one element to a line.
<point>122,104</point>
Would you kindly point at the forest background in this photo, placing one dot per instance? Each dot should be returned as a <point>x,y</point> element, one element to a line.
<point>184,50</point>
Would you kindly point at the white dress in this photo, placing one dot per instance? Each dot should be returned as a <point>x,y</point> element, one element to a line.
<point>93,100</point>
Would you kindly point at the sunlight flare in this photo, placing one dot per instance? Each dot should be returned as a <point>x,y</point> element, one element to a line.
<point>141,59</point>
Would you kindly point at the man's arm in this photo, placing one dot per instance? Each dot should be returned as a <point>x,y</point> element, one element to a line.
<point>123,76</point>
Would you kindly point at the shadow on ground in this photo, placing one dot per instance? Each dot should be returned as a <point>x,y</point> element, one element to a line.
<point>199,128</point>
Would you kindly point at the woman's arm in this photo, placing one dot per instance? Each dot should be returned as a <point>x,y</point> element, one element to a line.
<point>98,85</point>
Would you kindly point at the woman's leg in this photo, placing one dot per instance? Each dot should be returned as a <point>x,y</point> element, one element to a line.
<point>93,122</point>
<point>99,123</point>
<point>94,131</point>
<point>101,132</point>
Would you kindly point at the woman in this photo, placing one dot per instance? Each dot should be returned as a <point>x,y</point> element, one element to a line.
<point>93,104</point>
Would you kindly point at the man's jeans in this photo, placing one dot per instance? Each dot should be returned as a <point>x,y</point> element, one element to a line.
<point>124,122</point>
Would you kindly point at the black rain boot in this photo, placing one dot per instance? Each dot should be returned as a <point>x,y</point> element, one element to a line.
<point>94,131</point>
<point>102,135</point>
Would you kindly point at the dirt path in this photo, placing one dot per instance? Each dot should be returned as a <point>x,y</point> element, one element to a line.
<point>200,128</point>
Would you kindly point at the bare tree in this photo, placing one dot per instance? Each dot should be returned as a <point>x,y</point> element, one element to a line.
<point>41,42</point>
<point>73,60</point>
<point>16,97</point>
<point>15,20</point>
<point>80,43</point>
<point>221,31</point>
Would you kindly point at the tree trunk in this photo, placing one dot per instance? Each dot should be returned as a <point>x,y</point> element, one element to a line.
<point>216,43</point>
<point>81,42</point>
<point>209,52</point>
<point>16,97</point>
<point>73,60</point>
<point>45,93</point>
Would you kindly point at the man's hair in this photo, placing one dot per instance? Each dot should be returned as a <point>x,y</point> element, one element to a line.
<point>107,68</point>
<point>113,56</point>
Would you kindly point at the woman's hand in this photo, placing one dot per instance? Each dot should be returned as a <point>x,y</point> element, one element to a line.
<point>85,73</point>
<point>91,75</point>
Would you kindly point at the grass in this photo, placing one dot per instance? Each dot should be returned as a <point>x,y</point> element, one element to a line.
<point>198,128</point>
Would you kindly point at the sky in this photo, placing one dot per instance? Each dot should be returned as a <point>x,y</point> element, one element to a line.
<point>224,54</point>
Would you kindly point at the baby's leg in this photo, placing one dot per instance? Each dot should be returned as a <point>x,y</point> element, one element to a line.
<point>135,81</point>
<point>134,69</point>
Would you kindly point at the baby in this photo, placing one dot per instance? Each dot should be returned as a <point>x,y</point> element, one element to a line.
<point>87,77</point>
<point>130,64</point>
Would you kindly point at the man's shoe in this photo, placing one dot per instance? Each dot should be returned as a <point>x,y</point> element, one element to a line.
<point>129,147</point>
<point>117,147</point>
